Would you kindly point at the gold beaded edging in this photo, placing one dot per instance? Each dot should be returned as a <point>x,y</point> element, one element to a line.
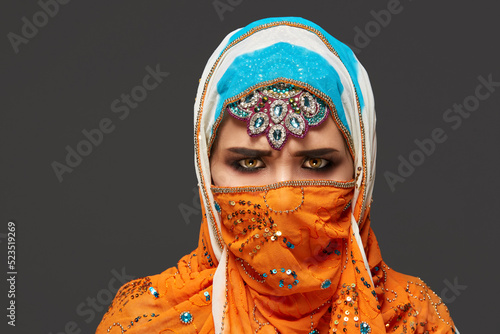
<point>281,184</point>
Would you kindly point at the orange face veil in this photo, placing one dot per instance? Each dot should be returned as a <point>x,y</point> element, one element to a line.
<point>297,256</point>
<point>287,246</point>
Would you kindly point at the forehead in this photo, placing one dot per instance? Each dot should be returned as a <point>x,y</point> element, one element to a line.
<point>233,133</point>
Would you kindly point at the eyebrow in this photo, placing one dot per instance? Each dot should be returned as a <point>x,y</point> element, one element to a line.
<point>264,153</point>
<point>249,152</point>
<point>315,152</point>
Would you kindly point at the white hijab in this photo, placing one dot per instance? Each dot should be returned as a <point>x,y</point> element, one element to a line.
<point>317,60</point>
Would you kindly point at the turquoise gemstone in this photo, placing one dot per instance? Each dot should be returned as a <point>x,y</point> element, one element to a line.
<point>364,328</point>
<point>295,123</point>
<point>258,122</point>
<point>186,317</point>
<point>278,110</point>
<point>326,284</point>
<point>277,134</point>
<point>248,98</point>
<point>306,101</point>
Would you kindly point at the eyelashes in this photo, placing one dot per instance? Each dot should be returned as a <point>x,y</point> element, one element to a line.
<point>252,165</point>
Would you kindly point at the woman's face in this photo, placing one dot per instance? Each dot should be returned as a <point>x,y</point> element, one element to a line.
<point>238,159</point>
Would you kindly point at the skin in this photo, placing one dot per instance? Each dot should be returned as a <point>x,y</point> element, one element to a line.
<point>260,164</point>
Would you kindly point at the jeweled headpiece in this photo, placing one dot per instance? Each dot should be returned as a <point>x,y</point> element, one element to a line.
<point>278,111</point>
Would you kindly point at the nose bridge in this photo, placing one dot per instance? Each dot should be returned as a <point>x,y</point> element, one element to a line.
<point>283,174</point>
<point>284,169</point>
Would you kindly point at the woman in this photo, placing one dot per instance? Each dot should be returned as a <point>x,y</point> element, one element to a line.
<point>285,152</point>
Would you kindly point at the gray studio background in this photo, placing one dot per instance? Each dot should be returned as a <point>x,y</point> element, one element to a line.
<point>118,213</point>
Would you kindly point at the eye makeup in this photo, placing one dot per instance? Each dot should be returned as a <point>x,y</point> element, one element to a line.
<point>238,157</point>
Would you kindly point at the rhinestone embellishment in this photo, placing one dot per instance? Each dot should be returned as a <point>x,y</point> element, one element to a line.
<point>154,292</point>
<point>186,317</point>
<point>278,111</point>
<point>364,328</point>
<point>326,284</point>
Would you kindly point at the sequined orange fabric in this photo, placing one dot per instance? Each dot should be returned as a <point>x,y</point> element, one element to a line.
<point>293,266</point>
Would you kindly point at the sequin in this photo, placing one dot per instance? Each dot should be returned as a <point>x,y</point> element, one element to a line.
<point>207,295</point>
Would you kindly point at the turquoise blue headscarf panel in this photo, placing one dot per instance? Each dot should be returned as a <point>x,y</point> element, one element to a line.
<point>281,60</point>
<point>345,53</point>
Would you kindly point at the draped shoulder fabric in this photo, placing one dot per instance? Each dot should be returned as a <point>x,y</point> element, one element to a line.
<point>297,256</point>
